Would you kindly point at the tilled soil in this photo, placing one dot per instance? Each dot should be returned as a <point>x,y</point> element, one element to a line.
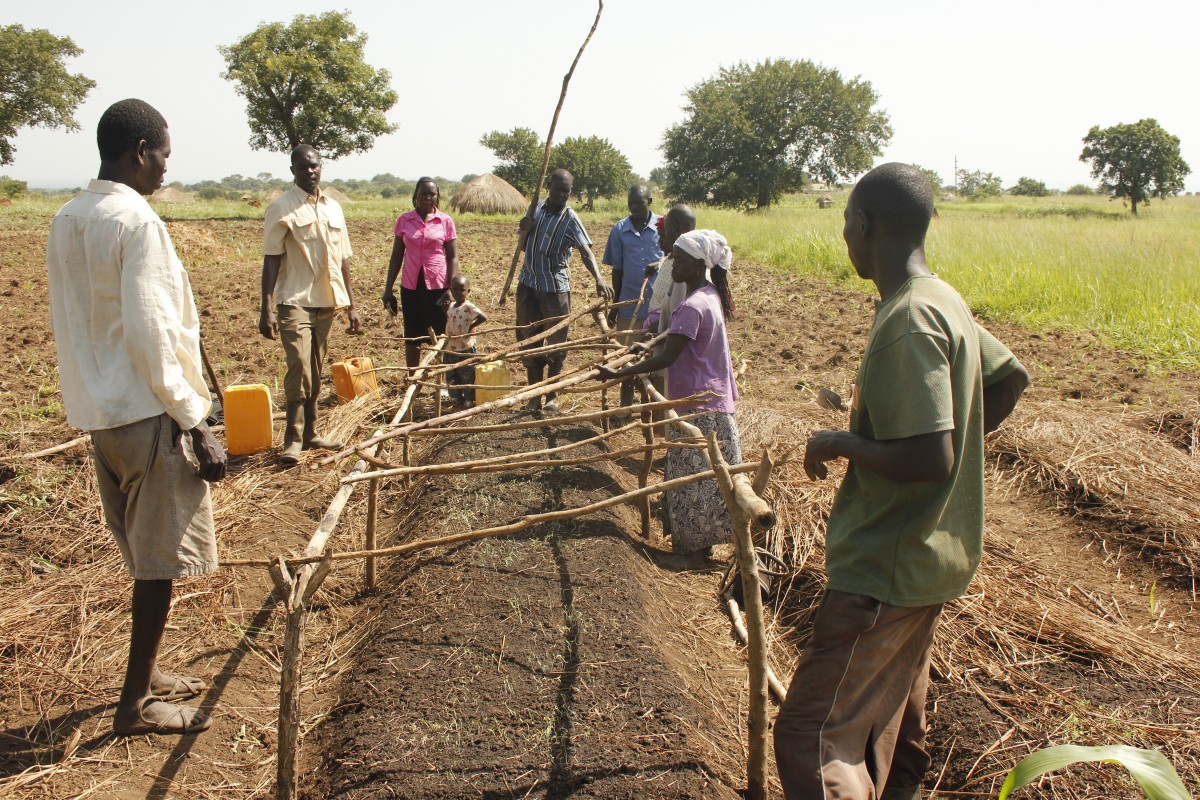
<point>528,666</point>
<point>571,660</point>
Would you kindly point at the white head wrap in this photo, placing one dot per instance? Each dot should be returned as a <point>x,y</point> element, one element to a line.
<point>707,246</point>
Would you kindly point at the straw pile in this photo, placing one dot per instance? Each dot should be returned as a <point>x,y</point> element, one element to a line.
<point>1107,467</point>
<point>64,625</point>
<point>1022,644</point>
<point>488,194</point>
<point>170,195</point>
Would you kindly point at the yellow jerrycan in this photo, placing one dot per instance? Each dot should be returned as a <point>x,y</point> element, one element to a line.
<point>493,373</point>
<point>247,419</point>
<point>353,377</point>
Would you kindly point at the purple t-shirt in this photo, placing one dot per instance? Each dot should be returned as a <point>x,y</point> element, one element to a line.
<point>704,365</point>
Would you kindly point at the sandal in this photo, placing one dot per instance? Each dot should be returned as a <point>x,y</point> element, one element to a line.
<point>177,722</point>
<point>181,688</point>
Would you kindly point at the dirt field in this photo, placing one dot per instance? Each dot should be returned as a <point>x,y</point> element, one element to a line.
<point>577,660</point>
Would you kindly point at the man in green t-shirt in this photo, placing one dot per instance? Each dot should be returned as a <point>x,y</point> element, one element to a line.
<point>906,530</point>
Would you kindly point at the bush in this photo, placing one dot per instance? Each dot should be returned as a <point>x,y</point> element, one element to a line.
<point>1028,187</point>
<point>11,187</point>
<point>1080,189</point>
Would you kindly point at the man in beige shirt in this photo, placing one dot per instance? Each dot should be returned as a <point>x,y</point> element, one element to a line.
<point>305,279</point>
<point>128,341</point>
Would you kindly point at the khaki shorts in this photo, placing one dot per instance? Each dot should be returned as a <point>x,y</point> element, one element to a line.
<point>155,503</point>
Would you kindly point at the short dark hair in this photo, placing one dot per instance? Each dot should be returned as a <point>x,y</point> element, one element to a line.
<point>126,123</point>
<point>426,179</point>
<point>897,197</point>
<point>301,149</point>
<point>683,217</point>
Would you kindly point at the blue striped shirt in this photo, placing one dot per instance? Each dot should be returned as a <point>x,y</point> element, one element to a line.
<point>548,249</point>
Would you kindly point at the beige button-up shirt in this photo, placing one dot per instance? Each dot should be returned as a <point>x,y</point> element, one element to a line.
<point>310,233</point>
<point>123,315</point>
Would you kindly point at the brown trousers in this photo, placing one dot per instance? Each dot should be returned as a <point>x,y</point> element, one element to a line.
<point>533,307</point>
<point>853,724</point>
<point>304,333</point>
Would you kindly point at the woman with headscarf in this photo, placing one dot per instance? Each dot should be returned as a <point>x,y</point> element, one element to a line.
<point>426,246</point>
<point>697,359</point>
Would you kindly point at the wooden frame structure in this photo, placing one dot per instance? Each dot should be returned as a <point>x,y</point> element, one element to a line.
<point>299,577</point>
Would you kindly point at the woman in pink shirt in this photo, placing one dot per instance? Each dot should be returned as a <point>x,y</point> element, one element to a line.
<point>697,359</point>
<point>426,247</point>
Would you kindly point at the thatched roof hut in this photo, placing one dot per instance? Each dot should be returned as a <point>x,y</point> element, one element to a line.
<point>169,194</point>
<point>488,194</point>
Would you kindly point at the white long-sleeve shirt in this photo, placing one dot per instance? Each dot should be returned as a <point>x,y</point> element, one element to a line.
<point>124,319</point>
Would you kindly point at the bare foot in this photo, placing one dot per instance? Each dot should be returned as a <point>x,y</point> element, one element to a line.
<point>154,716</point>
<point>175,687</point>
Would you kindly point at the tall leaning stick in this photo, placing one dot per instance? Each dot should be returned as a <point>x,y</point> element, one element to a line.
<point>512,269</point>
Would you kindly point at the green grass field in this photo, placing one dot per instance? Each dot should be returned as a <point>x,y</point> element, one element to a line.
<point>1056,262</point>
<point>1046,263</point>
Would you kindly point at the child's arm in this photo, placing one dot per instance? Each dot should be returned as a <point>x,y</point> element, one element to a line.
<point>480,318</point>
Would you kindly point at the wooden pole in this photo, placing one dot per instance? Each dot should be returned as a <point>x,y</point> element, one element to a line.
<point>602,323</point>
<point>391,471</point>
<point>520,524</point>
<point>756,766</point>
<point>510,462</point>
<point>212,375</point>
<point>516,350</point>
<point>562,96</point>
<point>550,422</point>
<point>369,538</point>
<point>507,401</point>
<point>295,591</point>
<point>739,626</point>
<point>647,463</point>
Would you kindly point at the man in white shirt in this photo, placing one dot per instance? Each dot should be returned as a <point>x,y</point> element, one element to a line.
<point>305,279</point>
<point>128,340</point>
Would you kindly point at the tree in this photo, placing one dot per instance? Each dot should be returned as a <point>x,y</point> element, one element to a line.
<point>307,83</point>
<point>1028,187</point>
<point>35,88</point>
<point>977,185</point>
<point>1081,189</point>
<point>660,178</point>
<point>751,132</point>
<point>1137,161</point>
<point>599,168</point>
<point>520,153</point>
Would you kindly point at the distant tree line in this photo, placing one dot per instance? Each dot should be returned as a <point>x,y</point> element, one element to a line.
<point>750,133</point>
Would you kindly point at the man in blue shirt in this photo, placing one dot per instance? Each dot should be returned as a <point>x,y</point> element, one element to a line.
<point>633,246</point>
<point>544,287</point>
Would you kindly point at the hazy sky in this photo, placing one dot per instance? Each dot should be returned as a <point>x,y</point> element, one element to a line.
<point>1009,88</point>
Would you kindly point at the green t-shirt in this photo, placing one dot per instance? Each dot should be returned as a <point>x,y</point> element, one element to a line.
<point>926,363</point>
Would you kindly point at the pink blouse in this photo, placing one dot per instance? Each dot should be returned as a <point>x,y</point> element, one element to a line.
<point>424,247</point>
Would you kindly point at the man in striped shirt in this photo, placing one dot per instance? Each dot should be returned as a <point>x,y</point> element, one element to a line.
<point>544,288</point>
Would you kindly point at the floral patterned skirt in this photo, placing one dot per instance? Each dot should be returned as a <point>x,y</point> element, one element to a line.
<point>696,512</point>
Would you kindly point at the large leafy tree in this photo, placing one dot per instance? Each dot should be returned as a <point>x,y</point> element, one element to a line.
<point>307,82</point>
<point>35,88</point>
<point>520,153</point>
<point>976,184</point>
<point>1136,161</point>
<point>752,132</point>
<point>599,169</point>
